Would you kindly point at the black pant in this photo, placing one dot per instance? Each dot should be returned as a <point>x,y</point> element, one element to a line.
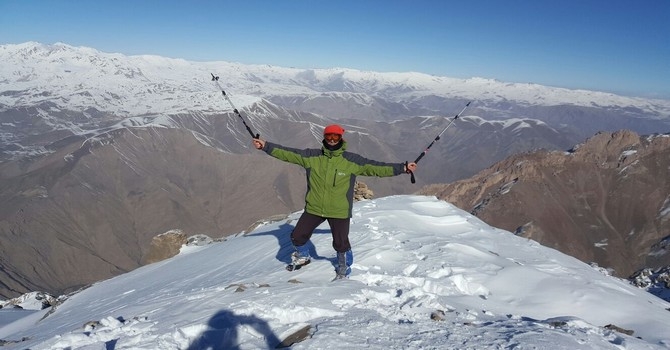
<point>307,223</point>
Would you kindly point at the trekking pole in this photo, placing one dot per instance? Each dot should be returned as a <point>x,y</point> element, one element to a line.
<point>216,80</point>
<point>436,138</point>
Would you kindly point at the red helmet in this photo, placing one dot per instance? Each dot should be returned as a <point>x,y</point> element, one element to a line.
<point>333,129</point>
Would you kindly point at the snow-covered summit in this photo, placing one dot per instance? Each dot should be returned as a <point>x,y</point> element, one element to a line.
<point>426,275</point>
<point>81,77</point>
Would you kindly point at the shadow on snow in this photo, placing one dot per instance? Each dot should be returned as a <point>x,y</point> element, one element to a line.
<point>283,235</point>
<point>222,332</point>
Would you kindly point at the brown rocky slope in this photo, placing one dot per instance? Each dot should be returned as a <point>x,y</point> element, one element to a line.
<point>605,201</point>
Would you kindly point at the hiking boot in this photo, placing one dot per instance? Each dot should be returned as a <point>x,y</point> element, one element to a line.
<point>299,260</point>
<point>344,261</point>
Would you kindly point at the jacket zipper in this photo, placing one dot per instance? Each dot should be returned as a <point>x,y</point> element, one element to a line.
<point>334,177</point>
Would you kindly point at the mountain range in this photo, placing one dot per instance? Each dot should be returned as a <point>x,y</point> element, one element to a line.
<point>100,152</point>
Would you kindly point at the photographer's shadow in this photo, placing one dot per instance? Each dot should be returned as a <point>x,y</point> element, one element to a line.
<point>222,332</point>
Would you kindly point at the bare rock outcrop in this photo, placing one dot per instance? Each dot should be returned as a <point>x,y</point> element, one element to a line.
<point>164,246</point>
<point>362,191</point>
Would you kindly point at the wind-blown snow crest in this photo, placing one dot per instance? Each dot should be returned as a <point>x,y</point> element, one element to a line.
<point>426,275</point>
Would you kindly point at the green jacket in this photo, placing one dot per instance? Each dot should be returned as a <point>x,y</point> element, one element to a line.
<point>331,176</point>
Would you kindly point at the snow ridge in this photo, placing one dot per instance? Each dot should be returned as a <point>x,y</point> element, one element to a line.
<point>426,275</point>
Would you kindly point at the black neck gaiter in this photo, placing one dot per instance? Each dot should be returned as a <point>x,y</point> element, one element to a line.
<point>334,147</point>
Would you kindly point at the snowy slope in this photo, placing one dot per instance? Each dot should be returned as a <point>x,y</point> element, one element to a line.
<point>414,255</point>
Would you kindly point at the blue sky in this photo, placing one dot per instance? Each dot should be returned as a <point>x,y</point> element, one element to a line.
<point>620,46</point>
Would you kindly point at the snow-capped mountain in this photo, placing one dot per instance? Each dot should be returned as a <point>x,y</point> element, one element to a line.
<point>59,88</point>
<point>82,78</point>
<point>426,275</point>
<point>51,89</point>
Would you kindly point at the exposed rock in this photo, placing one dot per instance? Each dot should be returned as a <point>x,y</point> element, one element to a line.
<point>164,246</point>
<point>91,325</point>
<point>296,337</point>
<point>168,244</point>
<point>619,329</point>
<point>557,323</point>
<point>273,218</point>
<point>241,287</point>
<point>437,315</point>
<point>361,191</point>
<point>238,287</point>
<point>199,240</point>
